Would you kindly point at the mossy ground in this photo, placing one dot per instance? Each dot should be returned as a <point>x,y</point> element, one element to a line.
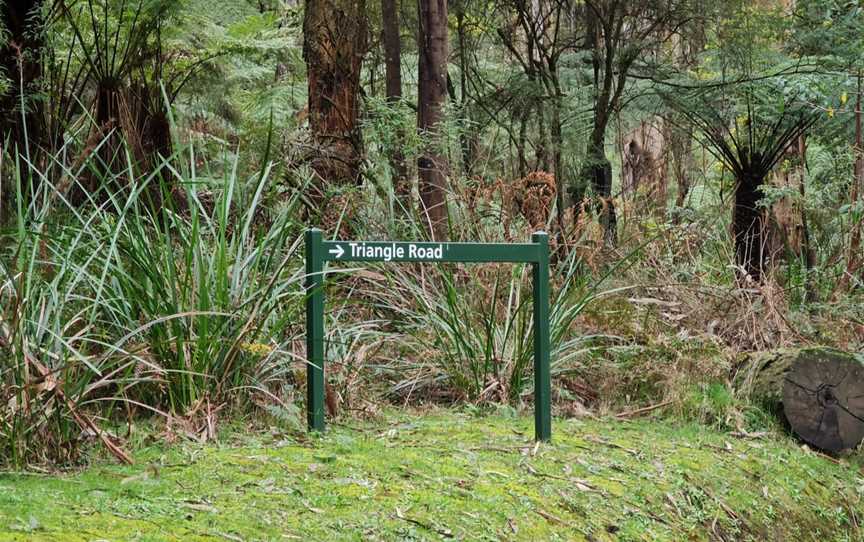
<point>444,474</point>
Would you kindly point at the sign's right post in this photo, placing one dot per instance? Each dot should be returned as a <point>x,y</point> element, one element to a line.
<point>542,376</point>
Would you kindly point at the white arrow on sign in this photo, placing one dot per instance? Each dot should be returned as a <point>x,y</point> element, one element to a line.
<point>338,251</point>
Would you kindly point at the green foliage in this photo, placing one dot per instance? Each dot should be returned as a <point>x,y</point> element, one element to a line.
<point>829,30</point>
<point>182,287</point>
<point>747,36</point>
<point>128,308</point>
<point>112,36</point>
<point>209,285</point>
<point>389,128</point>
<point>241,69</point>
<point>712,404</point>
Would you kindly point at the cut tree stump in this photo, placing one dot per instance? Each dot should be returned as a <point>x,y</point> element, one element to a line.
<point>823,399</point>
<point>820,390</point>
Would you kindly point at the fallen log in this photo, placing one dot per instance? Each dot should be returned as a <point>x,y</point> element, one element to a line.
<point>818,391</point>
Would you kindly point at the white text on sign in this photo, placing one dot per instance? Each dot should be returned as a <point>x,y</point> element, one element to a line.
<point>397,252</point>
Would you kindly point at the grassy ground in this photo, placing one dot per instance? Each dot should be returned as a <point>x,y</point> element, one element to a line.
<point>448,475</point>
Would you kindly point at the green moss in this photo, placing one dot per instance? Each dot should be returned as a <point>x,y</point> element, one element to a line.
<point>427,476</point>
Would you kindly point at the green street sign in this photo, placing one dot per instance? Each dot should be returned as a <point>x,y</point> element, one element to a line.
<point>319,251</point>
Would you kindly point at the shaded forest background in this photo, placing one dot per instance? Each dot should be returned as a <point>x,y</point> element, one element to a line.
<point>698,165</point>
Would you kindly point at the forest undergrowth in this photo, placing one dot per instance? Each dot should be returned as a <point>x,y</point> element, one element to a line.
<point>160,162</point>
<point>191,312</point>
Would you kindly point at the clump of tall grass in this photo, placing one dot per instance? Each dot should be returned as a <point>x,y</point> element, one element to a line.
<point>124,305</point>
<point>49,344</point>
<point>468,330</point>
<point>215,284</point>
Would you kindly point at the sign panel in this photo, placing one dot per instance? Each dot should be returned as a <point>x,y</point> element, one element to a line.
<point>319,251</point>
<point>369,251</point>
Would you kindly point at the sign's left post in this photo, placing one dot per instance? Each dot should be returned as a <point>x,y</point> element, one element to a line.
<point>314,330</point>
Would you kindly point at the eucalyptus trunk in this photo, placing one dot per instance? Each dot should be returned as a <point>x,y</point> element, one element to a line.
<point>597,171</point>
<point>432,97</point>
<point>853,261</point>
<point>680,142</point>
<point>334,42</point>
<point>393,75</point>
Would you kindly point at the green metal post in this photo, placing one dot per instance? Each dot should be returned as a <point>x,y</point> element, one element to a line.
<point>314,330</point>
<point>542,377</point>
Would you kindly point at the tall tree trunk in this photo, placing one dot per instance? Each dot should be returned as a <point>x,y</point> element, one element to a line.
<point>598,172</point>
<point>788,215</point>
<point>334,42</point>
<point>748,228</point>
<point>467,132</point>
<point>680,142</point>
<point>523,116</point>
<point>393,68</point>
<point>853,261</point>
<point>644,165</point>
<point>21,63</point>
<point>110,103</point>
<point>808,254</point>
<point>558,163</point>
<point>432,96</point>
<point>689,44</point>
<point>541,146</point>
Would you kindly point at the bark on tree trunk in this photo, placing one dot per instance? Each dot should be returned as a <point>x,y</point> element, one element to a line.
<point>785,226</point>
<point>819,391</point>
<point>598,172</point>
<point>522,141</point>
<point>432,80</point>
<point>644,166</point>
<point>108,108</point>
<point>789,216</point>
<point>392,48</point>
<point>468,134</point>
<point>21,63</point>
<point>680,141</point>
<point>853,261</point>
<point>393,67</point>
<point>334,43</point>
<point>129,116</point>
<point>689,45</point>
<point>558,165</point>
<point>748,225</point>
<point>541,148</point>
